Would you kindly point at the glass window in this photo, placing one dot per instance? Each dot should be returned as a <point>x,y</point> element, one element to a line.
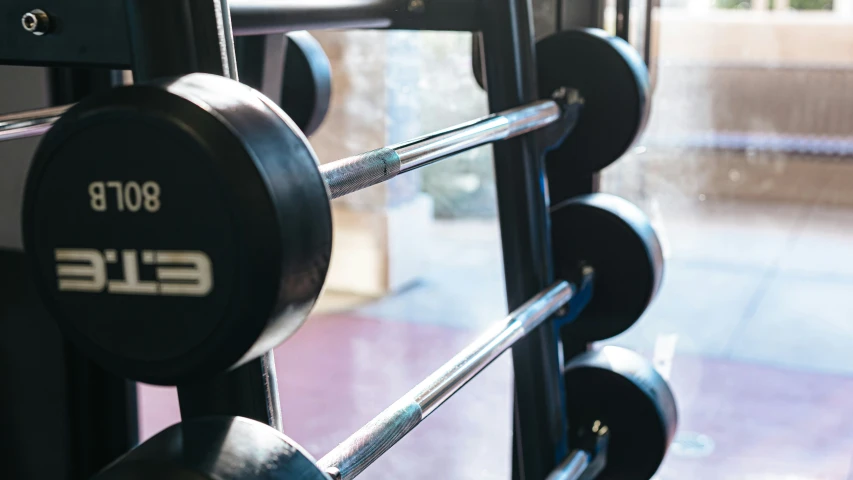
<point>745,168</point>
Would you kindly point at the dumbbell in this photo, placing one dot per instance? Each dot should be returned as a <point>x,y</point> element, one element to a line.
<point>616,397</point>
<point>618,93</point>
<point>621,411</point>
<point>306,86</point>
<point>181,228</point>
<point>617,96</point>
<point>306,91</point>
<point>215,448</point>
<point>616,236</point>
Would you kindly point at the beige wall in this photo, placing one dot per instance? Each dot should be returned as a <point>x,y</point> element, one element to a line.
<point>377,229</point>
<point>749,36</point>
<point>764,73</point>
<point>749,74</point>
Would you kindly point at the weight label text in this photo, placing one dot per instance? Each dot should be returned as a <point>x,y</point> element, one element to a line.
<point>178,273</point>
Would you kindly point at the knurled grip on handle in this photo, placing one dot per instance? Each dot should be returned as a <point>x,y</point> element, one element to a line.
<point>361,171</point>
<point>365,446</point>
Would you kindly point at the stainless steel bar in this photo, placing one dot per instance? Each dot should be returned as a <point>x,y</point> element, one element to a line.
<point>361,449</point>
<point>361,171</point>
<point>261,17</point>
<point>267,361</point>
<point>271,397</point>
<point>226,35</point>
<point>572,467</point>
<point>29,123</point>
<point>507,124</point>
<point>264,17</point>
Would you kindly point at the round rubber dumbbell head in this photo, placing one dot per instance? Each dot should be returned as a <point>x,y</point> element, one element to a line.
<point>213,448</point>
<point>177,229</point>
<point>617,389</point>
<point>617,240</point>
<point>614,83</point>
<point>306,90</point>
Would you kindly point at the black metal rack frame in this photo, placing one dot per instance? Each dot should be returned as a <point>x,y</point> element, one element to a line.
<point>172,37</point>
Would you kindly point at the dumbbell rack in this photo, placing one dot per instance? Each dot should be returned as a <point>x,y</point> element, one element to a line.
<point>171,37</point>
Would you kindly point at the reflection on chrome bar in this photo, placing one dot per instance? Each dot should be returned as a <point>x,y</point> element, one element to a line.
<point>29,123</point>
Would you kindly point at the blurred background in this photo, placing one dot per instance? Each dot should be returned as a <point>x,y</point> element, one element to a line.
<point>744,167</point>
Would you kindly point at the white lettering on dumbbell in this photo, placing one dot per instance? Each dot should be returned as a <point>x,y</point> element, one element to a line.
<point>196,281</point>
<point>129,196</point>
<point>88,273</point>
<point>178,273</point>
<point>131,284</point>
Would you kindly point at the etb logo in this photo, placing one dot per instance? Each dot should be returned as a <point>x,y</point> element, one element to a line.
<point>178,273</point>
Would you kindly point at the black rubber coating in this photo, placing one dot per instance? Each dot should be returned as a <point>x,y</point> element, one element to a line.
<point>614,83</point>
<point>306,90</point>
<point>622,390</point>
<point>177,230</point>
<point>215,448</point>
<point>616,239</point>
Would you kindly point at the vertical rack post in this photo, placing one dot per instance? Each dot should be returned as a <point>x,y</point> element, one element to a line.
<point>623,19</point>
<point>101,407</point>
<point>583,14</point>
<point>177,37</point>
<point>540,423</point>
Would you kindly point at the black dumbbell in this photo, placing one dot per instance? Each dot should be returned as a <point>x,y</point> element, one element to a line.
<point>616,97</point>
<point>618,93</point>
<point>306,91</point>
<point>616,237</point>
<point>617,393</point>
<point>216,448</point>
<point>622,412</point>
<point>178,228</point>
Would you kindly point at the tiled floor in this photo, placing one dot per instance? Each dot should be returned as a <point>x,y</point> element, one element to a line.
<point>758,297</point>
